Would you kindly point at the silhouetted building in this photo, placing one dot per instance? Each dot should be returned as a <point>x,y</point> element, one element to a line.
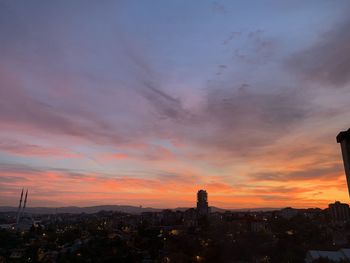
<point>202,203</point>
<point>344,139</point>
<point>190,217</point>
<point>339,212</point>
<point>288,212</point>
<point>258,226</point>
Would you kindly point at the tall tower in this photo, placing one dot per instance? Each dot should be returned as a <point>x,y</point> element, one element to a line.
<point>202,203</point>
<point>344,139</point>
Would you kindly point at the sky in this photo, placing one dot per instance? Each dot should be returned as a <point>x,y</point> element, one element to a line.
<point>146,102</point>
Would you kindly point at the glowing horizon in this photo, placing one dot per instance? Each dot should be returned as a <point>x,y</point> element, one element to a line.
<point>139,103</point>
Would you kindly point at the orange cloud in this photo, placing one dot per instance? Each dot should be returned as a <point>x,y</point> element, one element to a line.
<point>116,156</point>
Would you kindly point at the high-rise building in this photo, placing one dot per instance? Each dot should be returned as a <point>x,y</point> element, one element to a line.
<point>344,139</point>
<point>202,203</point>
<point>339,212</point>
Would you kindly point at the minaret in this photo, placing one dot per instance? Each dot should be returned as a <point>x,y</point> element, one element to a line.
<point>344,139</point>
<point>19,208</point>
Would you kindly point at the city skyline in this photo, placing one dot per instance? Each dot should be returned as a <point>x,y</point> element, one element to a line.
<point>144,103</point>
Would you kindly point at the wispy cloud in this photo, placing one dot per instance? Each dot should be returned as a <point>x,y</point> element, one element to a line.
<point>308,173</point>
<point>327,61</point>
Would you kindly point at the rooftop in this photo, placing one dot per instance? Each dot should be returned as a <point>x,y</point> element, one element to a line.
<point>343,135</point>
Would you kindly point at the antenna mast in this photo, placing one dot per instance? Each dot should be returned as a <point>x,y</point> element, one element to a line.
<point>19,208</point>
<point>25,203</point>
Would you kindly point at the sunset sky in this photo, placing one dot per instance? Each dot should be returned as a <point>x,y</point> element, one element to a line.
<point>145,102</point>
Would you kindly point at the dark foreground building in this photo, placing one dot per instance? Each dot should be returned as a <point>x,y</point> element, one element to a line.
<point>344,139</point>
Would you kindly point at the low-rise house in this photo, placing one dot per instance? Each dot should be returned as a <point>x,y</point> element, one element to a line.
<point>336,256</point>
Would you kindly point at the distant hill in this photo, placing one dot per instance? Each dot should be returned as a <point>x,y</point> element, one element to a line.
<point>119,208</point>
<point>79,210</point>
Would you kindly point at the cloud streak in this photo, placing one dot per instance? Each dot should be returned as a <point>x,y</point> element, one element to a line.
<point>327,60</point>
